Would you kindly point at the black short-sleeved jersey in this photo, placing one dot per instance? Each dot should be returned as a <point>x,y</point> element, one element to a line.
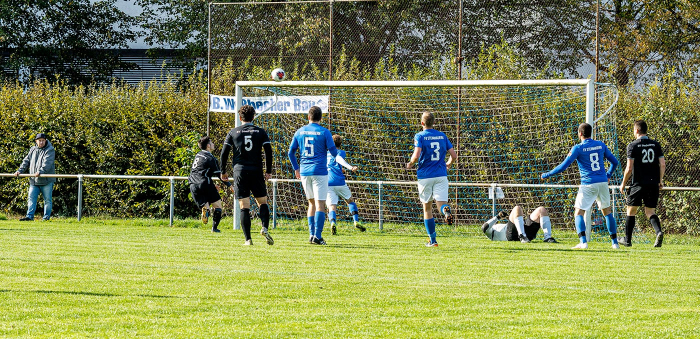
<point>204,167</point>
<point>646,153</point>
<point>246,142</point>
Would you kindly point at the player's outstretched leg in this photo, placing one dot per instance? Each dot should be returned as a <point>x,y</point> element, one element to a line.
<point>356,216</point>
<point>612,229</point>
<point>447,212</point>
<point>264,214</point>
<point>215,220</point>
<point>245,225</point>
<point>581,230</point>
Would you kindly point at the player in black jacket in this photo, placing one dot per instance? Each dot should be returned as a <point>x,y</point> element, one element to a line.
<point>204,192</point>
<point>247,143</point>
<point>646,165</point>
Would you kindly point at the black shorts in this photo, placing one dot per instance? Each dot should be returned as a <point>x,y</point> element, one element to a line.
<point>245,182</point>
<point>648,194</point>
<point>531,229</point>
<point>204,194</point>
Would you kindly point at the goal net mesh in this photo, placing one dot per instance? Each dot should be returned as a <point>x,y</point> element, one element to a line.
<point>503,135</point>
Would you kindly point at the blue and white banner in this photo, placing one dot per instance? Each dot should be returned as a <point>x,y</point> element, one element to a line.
<point>278,104</point>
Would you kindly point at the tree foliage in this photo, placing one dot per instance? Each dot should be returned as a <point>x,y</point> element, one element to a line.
<point>67,38</point>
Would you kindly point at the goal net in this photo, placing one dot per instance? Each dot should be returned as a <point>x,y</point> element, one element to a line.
<point>506,134</point>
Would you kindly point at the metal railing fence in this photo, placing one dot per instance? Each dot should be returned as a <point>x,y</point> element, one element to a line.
<point>380,189</point>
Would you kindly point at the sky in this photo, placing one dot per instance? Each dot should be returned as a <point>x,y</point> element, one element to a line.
<point>130,8</point>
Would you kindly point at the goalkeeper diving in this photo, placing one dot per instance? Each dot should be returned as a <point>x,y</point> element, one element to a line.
<point>519,227</point>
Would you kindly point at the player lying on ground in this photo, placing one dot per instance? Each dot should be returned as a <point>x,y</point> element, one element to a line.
<point>204,192</point>
<point>430,149</point>
<point>337,188</point>
<point>247,142</point>
<point>518,226</point>
<point>594,181</point>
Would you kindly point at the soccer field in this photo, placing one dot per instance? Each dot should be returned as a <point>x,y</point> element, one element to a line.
<point>139,279</point>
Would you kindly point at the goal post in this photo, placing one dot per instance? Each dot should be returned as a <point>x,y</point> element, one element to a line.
<point>506,132</point>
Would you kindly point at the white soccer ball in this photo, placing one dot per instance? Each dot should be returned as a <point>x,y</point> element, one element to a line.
<point>278,74</point>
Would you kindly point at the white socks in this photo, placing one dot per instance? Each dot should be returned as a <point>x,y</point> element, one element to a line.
<point>546,226</point>
<point>520,225</point>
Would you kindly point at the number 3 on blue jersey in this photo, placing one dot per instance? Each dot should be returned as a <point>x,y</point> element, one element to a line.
<point>436,151</point>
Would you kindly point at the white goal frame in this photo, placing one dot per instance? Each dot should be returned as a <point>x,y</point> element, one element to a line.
<point>589,85</point>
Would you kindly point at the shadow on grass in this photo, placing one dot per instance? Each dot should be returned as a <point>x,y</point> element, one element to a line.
<point>566,249</point>
<point>95,294</point>
<point>368,246</point>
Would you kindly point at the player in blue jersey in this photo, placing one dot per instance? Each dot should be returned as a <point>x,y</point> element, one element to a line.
<point>594,181</point>
<point>337,188</point>
<point>430,148</point>
<point>313,142</point>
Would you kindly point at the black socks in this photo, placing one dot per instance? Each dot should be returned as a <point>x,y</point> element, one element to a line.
<point>245,222</point>
<point>264,214</point>
<point>216,218</point>
<point>655,223</point>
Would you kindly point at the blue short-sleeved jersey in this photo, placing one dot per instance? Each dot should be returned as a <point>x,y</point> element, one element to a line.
<point>434,146</point>
<point>589,154</point>
<point>335,171</point>
<point>313,142</point>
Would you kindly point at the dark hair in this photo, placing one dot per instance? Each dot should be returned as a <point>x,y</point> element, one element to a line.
<point>585,129</point>
<point>247,113</point>
<point>641,125</point>
<point>337,140</point>
<point>315,113</point>
<point>428,119</point>
<point>203,142</point>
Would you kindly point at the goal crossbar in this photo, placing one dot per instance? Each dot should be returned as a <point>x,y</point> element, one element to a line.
<point>421,83</point>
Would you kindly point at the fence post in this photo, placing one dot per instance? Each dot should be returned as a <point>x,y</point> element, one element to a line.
<point>381,215</point>
<point>274,203</point>
<point>172,199</point>
<point>493,200</point>
<point>80,196</point>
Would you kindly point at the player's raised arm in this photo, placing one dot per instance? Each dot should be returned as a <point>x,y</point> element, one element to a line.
<point>564,165</point>
<point>340,159</point>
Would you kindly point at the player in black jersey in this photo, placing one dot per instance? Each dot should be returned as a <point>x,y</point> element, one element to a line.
<point>247,143</point>
<point>204,192</point>
<point>646,165</point>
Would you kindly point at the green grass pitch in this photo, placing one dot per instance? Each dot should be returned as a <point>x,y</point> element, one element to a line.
<point>131,278</point>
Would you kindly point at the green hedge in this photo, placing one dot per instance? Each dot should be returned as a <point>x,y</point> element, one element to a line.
<point>114,129</point>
